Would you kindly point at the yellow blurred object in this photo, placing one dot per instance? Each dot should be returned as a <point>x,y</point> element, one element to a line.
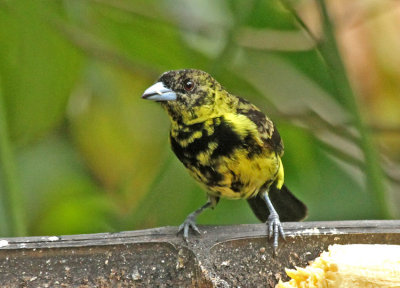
<point>353,266</point>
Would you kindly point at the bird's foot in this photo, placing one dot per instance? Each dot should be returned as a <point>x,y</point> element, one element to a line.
<point>275,229</point>
<point>189,223</point>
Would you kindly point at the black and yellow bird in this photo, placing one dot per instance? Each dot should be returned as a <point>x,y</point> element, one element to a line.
<point>228,145</point>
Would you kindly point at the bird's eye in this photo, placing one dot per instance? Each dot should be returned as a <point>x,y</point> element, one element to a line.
<point>188,85</point>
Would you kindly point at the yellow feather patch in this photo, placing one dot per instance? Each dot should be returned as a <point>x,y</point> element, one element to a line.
<point>251,172</point>
<point>280,178</point>
<point>243,126</point>
<point>204,157</point>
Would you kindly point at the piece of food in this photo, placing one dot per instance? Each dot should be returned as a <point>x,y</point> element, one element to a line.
<point>349,266</point>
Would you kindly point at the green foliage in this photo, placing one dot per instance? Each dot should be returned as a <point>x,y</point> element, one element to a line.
<point>81,152</point>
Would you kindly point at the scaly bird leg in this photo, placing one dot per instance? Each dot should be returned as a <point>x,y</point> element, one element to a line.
<point>274,224</point>
<point>190,221</point>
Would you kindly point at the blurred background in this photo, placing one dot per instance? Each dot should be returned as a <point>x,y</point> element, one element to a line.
<point>81,152</point>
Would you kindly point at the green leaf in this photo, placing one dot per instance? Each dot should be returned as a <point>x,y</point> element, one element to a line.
<point>38,67</point>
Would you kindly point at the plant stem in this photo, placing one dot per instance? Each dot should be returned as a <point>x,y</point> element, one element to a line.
<point>330,51</point>
<point>14,221</point>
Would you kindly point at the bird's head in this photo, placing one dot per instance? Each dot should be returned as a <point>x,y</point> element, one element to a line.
<point>188,95</point>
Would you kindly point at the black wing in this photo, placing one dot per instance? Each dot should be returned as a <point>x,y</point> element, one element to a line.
<point>268,132</point>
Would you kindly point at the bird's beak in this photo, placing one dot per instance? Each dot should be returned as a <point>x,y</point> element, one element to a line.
<point>158,92</point>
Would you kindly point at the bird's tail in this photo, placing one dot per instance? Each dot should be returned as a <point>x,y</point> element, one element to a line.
<point>289,208</point>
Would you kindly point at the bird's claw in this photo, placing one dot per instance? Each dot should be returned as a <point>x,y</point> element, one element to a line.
<point>189,222</point>
<point>275,229</point>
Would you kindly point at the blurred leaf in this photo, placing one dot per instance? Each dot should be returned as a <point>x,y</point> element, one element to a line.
<point>54,181</point>
<point>114,122</point>
<point>274,40</point>
<point>289,89</point>
<point>320,180</point>
<point>143,41</point>
<point>70,213</point>
<point>11,206</point>
<point>267,14</point>
<point>38,68</point>
<point>204,24</point>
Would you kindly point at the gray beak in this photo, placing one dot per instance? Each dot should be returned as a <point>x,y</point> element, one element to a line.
<point>158,92</point>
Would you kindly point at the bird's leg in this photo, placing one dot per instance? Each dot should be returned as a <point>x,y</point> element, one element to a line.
<point>190,221</point>
<point>274,224</point>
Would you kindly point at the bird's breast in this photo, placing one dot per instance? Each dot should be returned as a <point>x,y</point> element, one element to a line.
<point>228,163</point>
